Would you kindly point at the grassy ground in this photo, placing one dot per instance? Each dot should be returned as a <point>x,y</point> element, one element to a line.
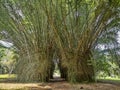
<point>109,80</point>
<point>5,84</point>
<point>7,76</point>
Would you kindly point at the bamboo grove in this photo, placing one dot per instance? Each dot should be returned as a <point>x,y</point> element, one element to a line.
<point>68,30</point>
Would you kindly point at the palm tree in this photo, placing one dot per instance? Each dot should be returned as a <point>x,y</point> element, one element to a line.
<point>106,53</point>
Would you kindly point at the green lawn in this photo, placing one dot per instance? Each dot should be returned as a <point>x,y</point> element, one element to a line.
<point>109,79</point>
<point>6,76</point>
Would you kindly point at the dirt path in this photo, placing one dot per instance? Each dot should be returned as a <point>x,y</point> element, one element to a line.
<point>92,86</point>
<point>58,84</point>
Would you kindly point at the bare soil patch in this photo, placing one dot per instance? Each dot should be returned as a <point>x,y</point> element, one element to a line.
<point>59,84</point>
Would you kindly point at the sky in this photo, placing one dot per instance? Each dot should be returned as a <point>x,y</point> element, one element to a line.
<point>119,36</point>
<point>6,44</point>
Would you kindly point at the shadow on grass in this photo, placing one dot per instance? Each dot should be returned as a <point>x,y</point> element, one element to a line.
<point>109,81</point>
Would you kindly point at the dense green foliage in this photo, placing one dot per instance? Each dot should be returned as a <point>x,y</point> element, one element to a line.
<point>7,61</point>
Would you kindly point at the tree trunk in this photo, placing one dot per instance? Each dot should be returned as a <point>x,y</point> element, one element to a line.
<point>63,70</point>
<point>79,69</point>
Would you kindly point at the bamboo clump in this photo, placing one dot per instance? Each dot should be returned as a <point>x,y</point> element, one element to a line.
<point>70,28</point>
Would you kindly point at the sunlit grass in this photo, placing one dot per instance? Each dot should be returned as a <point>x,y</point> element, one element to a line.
<point>109,79</point>
<point>6,76</point>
